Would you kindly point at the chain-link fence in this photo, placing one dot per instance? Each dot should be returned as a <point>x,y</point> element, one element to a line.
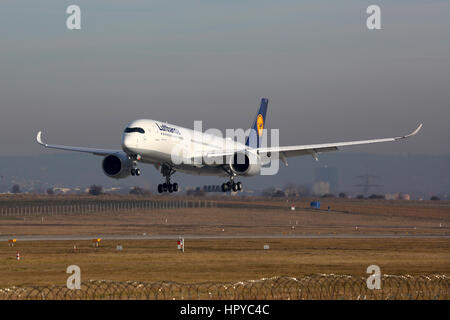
<point>100,206</point>
<point>424,287</point>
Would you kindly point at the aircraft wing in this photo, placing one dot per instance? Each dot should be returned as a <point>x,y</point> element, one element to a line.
<point>98,152</point>
<point>312,149</point>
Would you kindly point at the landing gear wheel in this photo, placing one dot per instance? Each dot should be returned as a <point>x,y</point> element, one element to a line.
<point>175,187</point>
<point>170,188</point>
<point>235,187</point>
<point>165,186</point>
<point>160,188</point>
<point>239,185</point>
<point>137,172</point>
<point>224,187</point>
<point>133,172</point>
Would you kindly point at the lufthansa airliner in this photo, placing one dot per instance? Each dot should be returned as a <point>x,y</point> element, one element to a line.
<point>172,148</point>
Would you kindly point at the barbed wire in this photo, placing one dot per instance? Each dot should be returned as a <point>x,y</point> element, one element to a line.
<point>313,287</point>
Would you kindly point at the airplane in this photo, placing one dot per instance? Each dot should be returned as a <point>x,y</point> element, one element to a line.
<point>155,142</point>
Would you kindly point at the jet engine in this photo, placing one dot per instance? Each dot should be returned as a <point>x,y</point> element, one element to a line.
<point>245,164</point>
<point>117,165</point>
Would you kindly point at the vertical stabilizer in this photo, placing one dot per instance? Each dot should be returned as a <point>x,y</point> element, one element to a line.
<point>256,132</point>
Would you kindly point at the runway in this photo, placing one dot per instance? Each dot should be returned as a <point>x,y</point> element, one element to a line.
<point>208,236</point>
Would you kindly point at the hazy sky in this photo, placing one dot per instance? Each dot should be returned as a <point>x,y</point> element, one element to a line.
<point>327,77</point>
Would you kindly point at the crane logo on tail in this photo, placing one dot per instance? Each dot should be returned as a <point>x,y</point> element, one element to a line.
<point>260,124</point>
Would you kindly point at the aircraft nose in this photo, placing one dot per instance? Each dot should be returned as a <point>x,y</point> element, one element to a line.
<point>127,142</point>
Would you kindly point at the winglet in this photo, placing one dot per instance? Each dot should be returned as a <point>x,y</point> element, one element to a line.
<point>414,132</point>
<point>39,139</point>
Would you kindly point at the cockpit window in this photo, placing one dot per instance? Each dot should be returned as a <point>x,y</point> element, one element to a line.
<point>140,130</point>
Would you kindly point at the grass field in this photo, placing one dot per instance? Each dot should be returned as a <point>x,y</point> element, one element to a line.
<point>250,217</point>
<point>45,262</point>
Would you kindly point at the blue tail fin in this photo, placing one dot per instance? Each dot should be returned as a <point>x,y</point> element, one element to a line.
<point>256,132</point>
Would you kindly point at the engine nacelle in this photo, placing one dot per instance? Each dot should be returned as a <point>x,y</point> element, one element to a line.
<point>117,165</point>
<point>245,164</point>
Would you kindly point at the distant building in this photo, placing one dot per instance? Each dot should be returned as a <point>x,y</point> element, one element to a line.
<point>61,190</point>
<point>113,189</point>
<point>397,196</point>
<point>330,175</point>
<point>321,188</point>
<point>392,196</point>
<point>405,196</point>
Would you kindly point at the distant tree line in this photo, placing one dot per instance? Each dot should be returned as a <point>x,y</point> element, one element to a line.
<point>289,190</point>
<point>16,189</point>
<point>95,190</point>
<point>138,191</point>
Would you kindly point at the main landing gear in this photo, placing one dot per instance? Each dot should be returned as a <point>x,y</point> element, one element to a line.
<point>231,185</point>
<point>167,172</point>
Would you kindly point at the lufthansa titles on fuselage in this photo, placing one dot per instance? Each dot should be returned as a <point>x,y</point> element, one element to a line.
<point>166,128</point>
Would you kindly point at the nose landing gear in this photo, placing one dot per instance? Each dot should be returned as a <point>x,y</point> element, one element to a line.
<point>136,172</point>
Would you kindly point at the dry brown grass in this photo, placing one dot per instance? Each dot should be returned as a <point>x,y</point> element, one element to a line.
<point>44,262</point>
<point>351,218</point>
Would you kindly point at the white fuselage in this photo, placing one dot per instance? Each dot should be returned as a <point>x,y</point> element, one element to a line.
<point>164,143</point>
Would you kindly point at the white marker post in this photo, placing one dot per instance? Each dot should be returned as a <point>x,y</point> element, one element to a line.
<point>180,244</point>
